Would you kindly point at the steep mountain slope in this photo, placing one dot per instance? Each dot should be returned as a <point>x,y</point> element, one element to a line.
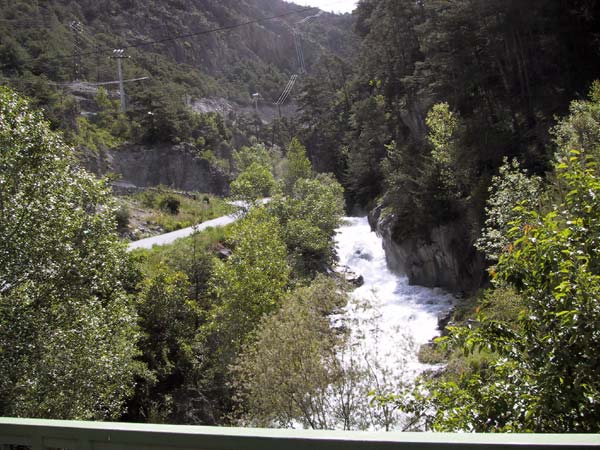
<point>206,56</point>
<point>44,38</point>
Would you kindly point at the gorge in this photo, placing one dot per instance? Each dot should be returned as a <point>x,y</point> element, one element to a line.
<point>388,319</point>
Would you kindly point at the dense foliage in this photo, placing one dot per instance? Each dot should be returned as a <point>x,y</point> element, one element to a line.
<point>199,313</point>
<point>67,323</point>
<point>282,376</point>
<point>540,368</point>
<point>502,69</point>
<point>452,102</point>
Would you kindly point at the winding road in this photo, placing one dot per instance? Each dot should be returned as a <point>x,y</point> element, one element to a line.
<point>168,238</point>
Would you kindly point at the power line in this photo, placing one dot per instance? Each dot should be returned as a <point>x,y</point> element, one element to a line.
<point>104,83</point>
<point>288,89</point>
<point>300,56</point>
<point>173,38</point>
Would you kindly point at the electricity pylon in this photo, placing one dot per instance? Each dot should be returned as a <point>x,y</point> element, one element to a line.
<point>118,54</point>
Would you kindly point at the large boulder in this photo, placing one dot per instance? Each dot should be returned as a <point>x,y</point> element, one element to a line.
<point>444,257</point>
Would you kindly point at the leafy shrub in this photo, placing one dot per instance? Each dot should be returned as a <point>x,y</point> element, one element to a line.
<point>170,204</point>
<point>122,216</point>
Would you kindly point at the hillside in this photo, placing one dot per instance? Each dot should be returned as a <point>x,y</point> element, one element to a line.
<point>45,39</point>
<point>195,65</point>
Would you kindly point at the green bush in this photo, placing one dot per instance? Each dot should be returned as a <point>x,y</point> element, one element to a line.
<point>170,204</point>
<point>122,215</point>
<point>147,198</point>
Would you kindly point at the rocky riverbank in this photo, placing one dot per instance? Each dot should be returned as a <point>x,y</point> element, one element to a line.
<point>444,258</point>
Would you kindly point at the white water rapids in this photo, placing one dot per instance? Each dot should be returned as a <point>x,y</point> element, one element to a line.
<point>388,319</point>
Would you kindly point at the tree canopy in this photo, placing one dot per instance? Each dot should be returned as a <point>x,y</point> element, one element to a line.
<point>67,325</point>
<point>541,367</point>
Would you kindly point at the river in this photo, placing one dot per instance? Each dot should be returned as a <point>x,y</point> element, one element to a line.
<point>388,318</point>
<point>387,321</point>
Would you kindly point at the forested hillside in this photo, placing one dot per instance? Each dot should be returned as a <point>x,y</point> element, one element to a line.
<point>163,327</point>
<point>196,64</point>
<point>171,42</point>
<point>499,73</point>
<point>458,120</point>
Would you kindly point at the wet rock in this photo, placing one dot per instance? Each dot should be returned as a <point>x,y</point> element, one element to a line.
<point>444,320</point>
<point>362,254</point>
<point>350,276</point>
<point>357,281</point>
<point>444,257</point>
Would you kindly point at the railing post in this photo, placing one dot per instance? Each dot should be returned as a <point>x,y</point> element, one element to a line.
<point>37,442</point>
<point>85,444</point>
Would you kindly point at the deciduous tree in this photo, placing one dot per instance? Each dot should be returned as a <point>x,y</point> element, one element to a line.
<point>67,325</point>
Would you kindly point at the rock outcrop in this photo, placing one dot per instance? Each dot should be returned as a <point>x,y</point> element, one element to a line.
<point>444,258</point>
<point>175,166</point>
<point>266,111</point>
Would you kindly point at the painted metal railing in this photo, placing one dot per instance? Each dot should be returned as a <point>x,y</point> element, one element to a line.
<point>74,435</point>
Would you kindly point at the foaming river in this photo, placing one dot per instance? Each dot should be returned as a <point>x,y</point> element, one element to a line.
<point>387,318</point>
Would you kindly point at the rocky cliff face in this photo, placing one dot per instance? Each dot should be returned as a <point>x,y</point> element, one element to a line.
<point>446,258</point>
<point>266,111</point>
<point>175,166</point>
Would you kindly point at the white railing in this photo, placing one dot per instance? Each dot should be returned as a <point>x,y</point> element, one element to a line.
<point>74,435</point>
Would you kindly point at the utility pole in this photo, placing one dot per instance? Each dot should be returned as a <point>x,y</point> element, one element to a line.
<point>118,54</point>
<point>97,63</point>
<point>255,98</point>
<point>77,29</point>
